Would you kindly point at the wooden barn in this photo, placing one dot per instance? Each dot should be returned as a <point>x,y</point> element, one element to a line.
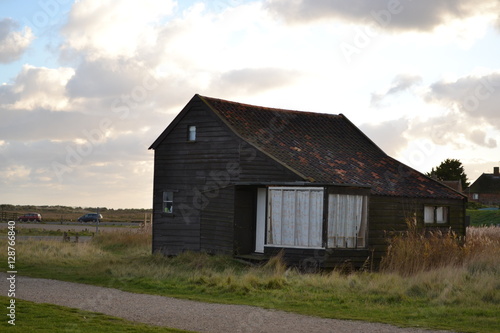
<point>241,179</point>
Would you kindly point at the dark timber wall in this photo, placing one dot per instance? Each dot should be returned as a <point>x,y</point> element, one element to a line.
<point>202,175</point>
<point>390,214</point>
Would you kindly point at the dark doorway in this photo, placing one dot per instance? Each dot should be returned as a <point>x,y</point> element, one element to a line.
<point>244,228</point>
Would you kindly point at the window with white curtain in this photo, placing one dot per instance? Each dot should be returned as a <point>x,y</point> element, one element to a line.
<point>347,220</point>
<point>295,216</point>
<point>435,214</point>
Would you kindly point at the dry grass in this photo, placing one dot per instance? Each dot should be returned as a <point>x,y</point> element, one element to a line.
<point>416,251</point>
<point>50,251</point>
<point>463,280</point>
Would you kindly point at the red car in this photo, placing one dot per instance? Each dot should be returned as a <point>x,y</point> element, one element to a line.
<point>30,217</point>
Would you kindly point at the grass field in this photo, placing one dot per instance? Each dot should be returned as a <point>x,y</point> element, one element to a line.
<point>484,217</point>
<point>462,294</point>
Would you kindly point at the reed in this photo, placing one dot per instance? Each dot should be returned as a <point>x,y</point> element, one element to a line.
<point>416,250</point>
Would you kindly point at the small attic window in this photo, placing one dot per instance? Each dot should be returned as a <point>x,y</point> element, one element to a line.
<point>191,133</point>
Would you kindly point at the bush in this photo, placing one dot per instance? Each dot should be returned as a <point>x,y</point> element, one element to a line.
<point>474,205</point>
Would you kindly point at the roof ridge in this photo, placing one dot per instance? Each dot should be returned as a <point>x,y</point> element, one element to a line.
<point>208,99</point>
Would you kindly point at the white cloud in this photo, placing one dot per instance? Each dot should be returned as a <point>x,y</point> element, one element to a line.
<point>115,28</point>
<point>37,87</point>
<point>253,80</point>
<point>389,135</point>
<point>15,173</point>
<point>399,84</point>
<point>13,43</point>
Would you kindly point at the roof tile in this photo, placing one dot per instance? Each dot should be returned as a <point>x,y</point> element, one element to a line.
<point>325,148</point>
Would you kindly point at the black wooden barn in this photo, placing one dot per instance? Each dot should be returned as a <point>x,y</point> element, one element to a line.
<point>242,179</point>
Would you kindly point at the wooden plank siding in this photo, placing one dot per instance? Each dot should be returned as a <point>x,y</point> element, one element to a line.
<point>391,214</point>
<point>217,227</point>
<point>188,169</point>
<point>202,175</point>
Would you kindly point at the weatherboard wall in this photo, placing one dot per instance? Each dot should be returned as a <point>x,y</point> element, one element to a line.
<point>390,215</point>
<point>202,174</point>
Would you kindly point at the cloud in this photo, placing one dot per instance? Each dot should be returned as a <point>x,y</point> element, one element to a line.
<point>479,137</point>
<point>395,15</point>
<point>253,80</point>
<point>477,96</point>
<point>106,77</point>
<point>399,84</point>
<point>466,115</point>
<point>112,29</point>
<point>389,135</point>
<point>37,87</point>
<point>13,43</point>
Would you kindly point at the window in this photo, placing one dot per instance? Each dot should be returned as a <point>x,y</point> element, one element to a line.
<point>435,214</point>
<point>168,202</point>
<point>191,133</point>
<point>295,216</point>
<point>347,220</point>
<point>475,196</point>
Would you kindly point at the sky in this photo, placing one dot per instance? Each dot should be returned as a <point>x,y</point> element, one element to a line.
<point>87,86</point>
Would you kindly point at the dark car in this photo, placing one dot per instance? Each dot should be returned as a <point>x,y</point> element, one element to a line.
<point>91,217</point>
<point>30,217</point>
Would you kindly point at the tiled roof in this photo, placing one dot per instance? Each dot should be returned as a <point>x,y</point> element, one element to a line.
<point>325,148</point>
<point>486,183</point>
<point>454,184</point>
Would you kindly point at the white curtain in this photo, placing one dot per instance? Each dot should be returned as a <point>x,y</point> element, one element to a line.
<point>347,220</point>
<point>295,216</point>
<point>429,214</point>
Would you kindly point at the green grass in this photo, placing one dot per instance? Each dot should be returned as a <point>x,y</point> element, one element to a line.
<point>463,297</point>
<point>40,318</point>
<point>484,217</point>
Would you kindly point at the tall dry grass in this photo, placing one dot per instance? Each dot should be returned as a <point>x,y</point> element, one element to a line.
<point>417,250</point>
<point>50,251</point>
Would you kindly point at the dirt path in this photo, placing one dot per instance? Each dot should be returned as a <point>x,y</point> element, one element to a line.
<point>182,314</point>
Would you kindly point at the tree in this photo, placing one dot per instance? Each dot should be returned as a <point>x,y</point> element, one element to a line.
<point>450,169</point>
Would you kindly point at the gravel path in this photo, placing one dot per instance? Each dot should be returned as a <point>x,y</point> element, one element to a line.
<point>182,314</point>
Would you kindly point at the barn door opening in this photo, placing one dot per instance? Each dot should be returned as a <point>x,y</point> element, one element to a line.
<point>244,218</point>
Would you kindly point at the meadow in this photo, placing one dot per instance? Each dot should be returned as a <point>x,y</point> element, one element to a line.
<point>427,280</point>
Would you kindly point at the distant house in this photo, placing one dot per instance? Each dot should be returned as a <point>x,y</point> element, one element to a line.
<point>242,179</point>
<point>486,189</point>
<point>454,184</point>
